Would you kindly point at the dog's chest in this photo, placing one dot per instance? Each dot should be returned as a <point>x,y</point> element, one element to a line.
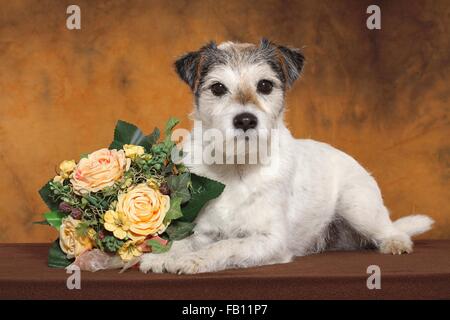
<point>235,213</point>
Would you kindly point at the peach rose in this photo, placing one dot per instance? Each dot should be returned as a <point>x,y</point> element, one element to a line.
<point>71,244</point>
<point>99,170</point>
<point>145,208</point>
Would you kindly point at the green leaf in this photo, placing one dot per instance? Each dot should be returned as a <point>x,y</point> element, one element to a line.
<point>46,194</point>
<point>82,229</point>
<point>154,136</point>
<point>127,133</point>
<point>56,257</point>
<point>178,230</point>
<point>204,190</point>
<point>171,123</point>
<point>179,186</point>
<point>158,247</point>
<point>54,218</point>
<point>43,222</point>
<point>111,243</point>
<point>174,210</point>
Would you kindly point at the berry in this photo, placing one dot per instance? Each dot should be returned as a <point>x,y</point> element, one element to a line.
<point>65,207</point>
<point>164,189</point>
<point>76,213</point>
<point>101,234</point>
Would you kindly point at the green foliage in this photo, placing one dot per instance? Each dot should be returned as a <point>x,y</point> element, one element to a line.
<point>174,210</point>
<point>82,229</point>
<point>56,257</point>
<point>43,222</point>
<point>127,133</point>
<point>154,136</point>
<point>54,218</point>
<point>158,247</point>
<point>171,123</point>
<point>178,230</point>
<point>62,193</point>
<point>112,244</point>
<point>179,186</point>
<point>203,190</point>
<point>47,196</point>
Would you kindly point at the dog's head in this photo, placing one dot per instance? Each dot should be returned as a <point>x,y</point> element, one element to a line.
<point>240,87</point>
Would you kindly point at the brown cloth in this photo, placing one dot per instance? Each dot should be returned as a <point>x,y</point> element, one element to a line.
<point>424,274</point>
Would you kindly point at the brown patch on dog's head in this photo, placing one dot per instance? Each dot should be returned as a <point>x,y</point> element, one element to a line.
<point>246,95</point>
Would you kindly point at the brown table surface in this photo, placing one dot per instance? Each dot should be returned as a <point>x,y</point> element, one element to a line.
<point>424,274</point>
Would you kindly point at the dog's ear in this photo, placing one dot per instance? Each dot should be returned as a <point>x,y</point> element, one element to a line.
<point>291,60</point>
<point>188,66</point>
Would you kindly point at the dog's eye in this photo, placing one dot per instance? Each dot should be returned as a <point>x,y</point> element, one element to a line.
<point>264,86</point>
<point>218,89</point>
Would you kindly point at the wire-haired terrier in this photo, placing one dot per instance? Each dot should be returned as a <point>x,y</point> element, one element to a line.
<point>309,198</point>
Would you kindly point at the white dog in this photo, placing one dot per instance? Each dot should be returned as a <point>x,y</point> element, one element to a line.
<point>309,198</point>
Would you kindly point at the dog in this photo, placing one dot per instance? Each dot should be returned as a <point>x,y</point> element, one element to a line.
<point>310,198</point>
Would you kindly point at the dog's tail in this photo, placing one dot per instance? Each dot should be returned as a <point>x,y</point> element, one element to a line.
<point>414,225</point>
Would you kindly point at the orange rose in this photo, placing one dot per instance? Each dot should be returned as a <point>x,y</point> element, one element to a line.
<point>99,170</point>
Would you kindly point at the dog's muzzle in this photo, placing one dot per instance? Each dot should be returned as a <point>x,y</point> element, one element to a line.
<point>245,121</point>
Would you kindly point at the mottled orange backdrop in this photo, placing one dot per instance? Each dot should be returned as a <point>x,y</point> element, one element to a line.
<point>382,96</point>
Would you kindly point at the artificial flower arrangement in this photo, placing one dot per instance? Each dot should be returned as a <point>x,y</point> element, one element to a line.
<point>115,204</point>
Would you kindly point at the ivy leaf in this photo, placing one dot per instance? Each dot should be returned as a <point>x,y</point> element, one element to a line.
<point>179,186</point>
<point>174,210</point>
<point>46,194</point>
<point>178,230</point>
<point>204,190</point>
<point>127,133</point>
<point>171,123</point>
<point>158,247</point>
<point>56,257</point>
<point>54,218</point>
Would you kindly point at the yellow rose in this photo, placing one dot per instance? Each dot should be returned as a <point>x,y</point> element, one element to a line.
<point>71,244</point>
<point>66,168</point>
<point>129,250</point>
<point>145,208</point>
<point>132,151</point>
<point>99,170</point>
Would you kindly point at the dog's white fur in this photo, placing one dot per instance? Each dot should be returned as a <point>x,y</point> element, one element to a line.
<point>310,198</point>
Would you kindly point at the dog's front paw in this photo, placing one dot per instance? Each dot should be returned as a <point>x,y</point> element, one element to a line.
<point>397,244</point>
<point>187,264</point>
<point>152,262</point>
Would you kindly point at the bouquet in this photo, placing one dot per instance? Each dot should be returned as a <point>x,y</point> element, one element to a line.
<point>117,203</point>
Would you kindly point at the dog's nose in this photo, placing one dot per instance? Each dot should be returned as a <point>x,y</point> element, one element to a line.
<point>245,121</point>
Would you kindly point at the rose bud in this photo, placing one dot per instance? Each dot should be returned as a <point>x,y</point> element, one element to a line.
<point>76,213</point>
